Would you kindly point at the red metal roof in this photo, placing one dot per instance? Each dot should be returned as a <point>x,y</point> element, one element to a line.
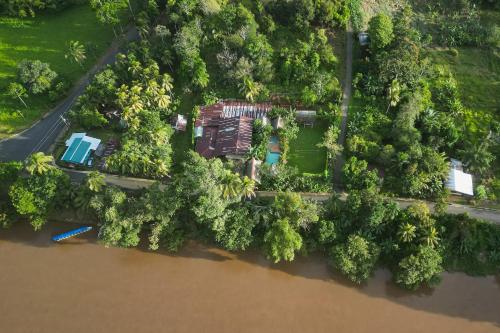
<point>227,127</point>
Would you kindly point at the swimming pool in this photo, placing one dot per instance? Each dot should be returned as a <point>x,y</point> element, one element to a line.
<point>272,158</point>
<point>273,151</point>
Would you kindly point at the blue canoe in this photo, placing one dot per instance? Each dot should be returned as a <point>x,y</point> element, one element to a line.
<point>71,233</point>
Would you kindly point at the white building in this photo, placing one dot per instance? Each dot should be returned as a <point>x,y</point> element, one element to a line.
<point>459,181</point>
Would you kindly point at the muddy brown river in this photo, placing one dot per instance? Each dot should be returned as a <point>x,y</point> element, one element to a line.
<point>81,286</point>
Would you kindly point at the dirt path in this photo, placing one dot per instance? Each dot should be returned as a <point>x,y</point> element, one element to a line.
<point>346,98</point>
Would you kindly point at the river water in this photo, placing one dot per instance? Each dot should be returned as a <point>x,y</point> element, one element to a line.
<point>81,286</point>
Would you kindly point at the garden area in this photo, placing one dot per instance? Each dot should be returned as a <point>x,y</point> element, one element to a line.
<point>304,151</point>
<point>45,37</point>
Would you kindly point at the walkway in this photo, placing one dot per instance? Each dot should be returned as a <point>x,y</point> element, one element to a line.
<point>346,98</point>
<point>491,215</point>
<point>43,133</point>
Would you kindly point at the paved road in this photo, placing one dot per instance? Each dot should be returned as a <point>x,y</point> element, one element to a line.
<point>346,98</point>
<point>479,213</point>
<point>44,133</point>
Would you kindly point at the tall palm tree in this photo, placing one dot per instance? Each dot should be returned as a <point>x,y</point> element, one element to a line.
<point>39,163</point>
<point>247,187</point>
<point>95,181</point>
<point>17,91</point>
<point>407,232</point>
<point>393,94</point>
<point>231,185</point>
<point>431,237</point>
<point>250,89</point>
<point>76,52</point>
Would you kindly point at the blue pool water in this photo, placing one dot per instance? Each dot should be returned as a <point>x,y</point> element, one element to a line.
<point>272,158</point>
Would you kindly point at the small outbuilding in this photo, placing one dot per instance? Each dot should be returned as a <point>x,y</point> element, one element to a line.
<point>459,181</point>
<point>179,122</point>
<point>80,146</point>
<point>253,169</point>
<point>363,39</point>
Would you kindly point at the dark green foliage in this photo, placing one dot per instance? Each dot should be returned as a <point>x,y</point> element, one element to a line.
<point>420,268</point>
<point>470,245</point>
<point>356,258</point>
<point>237,233</point>
<point>302,13</point>
<point>356,175</point>
<point>29,8</point>
<point>120,216</point>
<point>381,31</point>
<point>35,75</point>
<point>37,195</point>
<point>281,241</point>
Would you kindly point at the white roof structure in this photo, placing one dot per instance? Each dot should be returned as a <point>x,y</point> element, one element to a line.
<point>459,181</point>
<point>79,148</point>
<point>94,143</point>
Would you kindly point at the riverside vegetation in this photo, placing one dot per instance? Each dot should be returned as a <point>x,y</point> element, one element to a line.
<point>206,201</point>
<point>195,52</point>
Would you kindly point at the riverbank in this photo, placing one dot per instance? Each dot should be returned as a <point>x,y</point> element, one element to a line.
<point>81,286</point>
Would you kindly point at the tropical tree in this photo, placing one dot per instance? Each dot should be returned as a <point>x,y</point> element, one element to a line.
<point>17,91</point>
<point>108,11</point>
<point>95,181</point>
<point>230,184</point>
<point>39,163</point>
<point>430,237</point>
<point>250,89</point>
<point>380,29</point>
<point>330,142</point>
<point>356,258</point>
<point>35,75</point>
<point>393,94</point>
<point>281,241</point>
<point>76,52</point>
<point>247,187</point>
<point>422,267</point>
<point>407,232</point>
<point>37,195</point>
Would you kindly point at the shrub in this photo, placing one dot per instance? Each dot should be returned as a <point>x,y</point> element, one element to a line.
<point>453,52</point>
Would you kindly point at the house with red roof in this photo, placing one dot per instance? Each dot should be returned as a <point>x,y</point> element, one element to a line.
<point>224,129</point>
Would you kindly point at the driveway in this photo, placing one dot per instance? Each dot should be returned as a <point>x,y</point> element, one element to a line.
<point>44,133</point>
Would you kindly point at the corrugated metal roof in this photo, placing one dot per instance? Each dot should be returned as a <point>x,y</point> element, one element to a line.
<point>459,181</point>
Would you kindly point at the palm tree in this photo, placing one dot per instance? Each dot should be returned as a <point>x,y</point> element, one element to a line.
<point>39,163</point>
<point>393,94</point>
<point>16,90</point>
<point>330,142</point>
<point>76,52</point>
<point>231,185</point>
<point>95,181</point>
<point>82,201</point>
<point>431,237</point>
<point>407,232</point>
<point>247,187</point>
<point>250,89</point>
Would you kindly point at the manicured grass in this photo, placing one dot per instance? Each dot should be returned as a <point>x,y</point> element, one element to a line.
<point>304,154</point>
<point>46,38</point>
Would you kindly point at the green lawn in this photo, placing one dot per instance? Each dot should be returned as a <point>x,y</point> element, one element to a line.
<point>46,38</point>
<point>304,154</point>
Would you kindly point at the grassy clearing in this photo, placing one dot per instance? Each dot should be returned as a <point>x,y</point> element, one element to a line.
<point>478,75</point>
<point>46,38</point>
<point>304,154</point>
